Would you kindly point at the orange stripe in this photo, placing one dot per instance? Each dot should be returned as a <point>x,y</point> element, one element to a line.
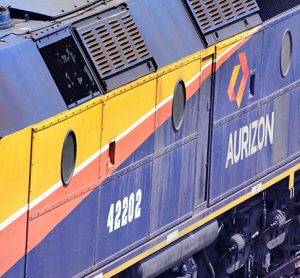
<point>12,243</point>
<point>192,88</point>
<point>134,139</point>
<point>163,114</point>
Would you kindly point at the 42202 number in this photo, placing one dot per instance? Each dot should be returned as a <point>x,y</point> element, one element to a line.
<point>124,211</point>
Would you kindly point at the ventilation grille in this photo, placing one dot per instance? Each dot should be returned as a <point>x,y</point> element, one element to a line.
<point>114,44</point>
<point>269,10</point>
<point>211,15</point>
<point>69,71</point>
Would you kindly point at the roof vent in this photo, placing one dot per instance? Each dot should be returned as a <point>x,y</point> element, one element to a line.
<point>219,19</point>
<point>115,45</point>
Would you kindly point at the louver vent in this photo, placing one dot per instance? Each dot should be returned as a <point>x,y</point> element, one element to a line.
<point>214,14</point>
<point>219,19</point>
<point>69,71</point>
<point>115,45</point>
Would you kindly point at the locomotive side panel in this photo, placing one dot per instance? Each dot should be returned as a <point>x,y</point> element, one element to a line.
<point>173,186</point>
<point>52,199</point>
<point>280,81</point>
<point>257,136</point>
<point>128,145</point>
<point>294,144</point>
<point>235,109</point>
<point>225,155</point>
<point>272,77</point>
<point>123,213</point>
<point>204,119</point>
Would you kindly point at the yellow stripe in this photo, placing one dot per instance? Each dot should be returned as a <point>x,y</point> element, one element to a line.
<point>14,177</point>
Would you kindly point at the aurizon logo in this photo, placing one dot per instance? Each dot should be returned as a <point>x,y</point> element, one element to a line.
<point>236,70</point>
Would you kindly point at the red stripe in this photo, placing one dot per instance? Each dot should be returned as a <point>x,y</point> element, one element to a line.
<point>128,144</point>
<point>12,243</point>
<point>163,114</point>
<point>192,88</point>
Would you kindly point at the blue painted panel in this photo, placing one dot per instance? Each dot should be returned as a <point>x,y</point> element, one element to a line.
<point>144,150</point>
<point>294,124</point>
<point>166,135</point>
<point>69,248</point>
<point>271,78</point>
<point>17,271</point>
<point>223,107</point>
<point>53,8</point>
<point>116,233</point>
<point>173,186</point>
<point>278,151</point>
<point>268,80</point>
<point>28,93</point>
<point>169,24</point>
<point>230,165</point>
<point>203,146</point>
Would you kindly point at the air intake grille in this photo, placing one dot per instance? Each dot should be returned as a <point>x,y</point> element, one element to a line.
<point>211,15</point>
<point>114,44</point>
<point>69,71</point>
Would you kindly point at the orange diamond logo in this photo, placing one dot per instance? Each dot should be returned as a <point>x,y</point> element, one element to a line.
<point>236,70</point>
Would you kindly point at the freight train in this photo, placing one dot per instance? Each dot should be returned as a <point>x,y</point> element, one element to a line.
<point>149,138</point>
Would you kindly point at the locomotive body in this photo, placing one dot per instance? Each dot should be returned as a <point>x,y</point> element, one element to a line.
<point>141,136</point>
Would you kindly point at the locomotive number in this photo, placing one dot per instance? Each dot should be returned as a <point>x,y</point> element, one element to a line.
<point>123,212</point>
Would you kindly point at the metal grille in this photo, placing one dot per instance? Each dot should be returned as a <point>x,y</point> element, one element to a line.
<point>69,71</point>
<point>114,44</point>
<point>211,15</point>
<point>269,10</point>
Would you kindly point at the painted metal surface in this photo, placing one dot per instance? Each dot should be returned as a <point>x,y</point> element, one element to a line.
<point>173,187</point>
<point>123,213</point>
<point>50,202</point>
<point>115,205</point>
<point>51,9</point>
<point>269,11</point>
<point>170,24</point>
<point>236,122</point>
<point>73,241</point>
<point>34,97</point>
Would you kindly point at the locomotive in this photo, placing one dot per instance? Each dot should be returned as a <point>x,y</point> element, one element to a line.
<point>149,138</point>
